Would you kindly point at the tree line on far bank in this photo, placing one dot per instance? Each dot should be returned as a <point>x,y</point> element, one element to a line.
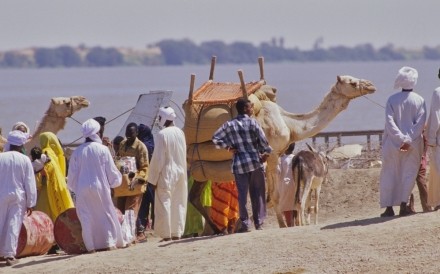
<point>181,52</point>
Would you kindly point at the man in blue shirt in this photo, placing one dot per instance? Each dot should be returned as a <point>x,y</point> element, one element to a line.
<point>244,137</point>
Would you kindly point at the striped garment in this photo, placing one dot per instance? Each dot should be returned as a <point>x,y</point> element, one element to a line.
<point>246,136</point>
<point>224,208</point>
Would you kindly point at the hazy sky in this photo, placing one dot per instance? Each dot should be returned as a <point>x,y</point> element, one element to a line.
<point>136,23</point>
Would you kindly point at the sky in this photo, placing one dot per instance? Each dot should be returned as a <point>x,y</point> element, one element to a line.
<point>137,23</point>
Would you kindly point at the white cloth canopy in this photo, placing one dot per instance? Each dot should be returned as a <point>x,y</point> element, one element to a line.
<point>92,173</point>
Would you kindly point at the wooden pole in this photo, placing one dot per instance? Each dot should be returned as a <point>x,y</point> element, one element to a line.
<point>191,88</point>
<point>211,72</point>
<point>243,85</point>
<point>261,64</point>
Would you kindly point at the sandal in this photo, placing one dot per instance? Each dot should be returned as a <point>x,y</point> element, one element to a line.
<point>387,213</point>
<point>11,261</point>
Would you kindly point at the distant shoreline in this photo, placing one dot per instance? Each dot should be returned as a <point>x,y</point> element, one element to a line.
<point>183,52</point>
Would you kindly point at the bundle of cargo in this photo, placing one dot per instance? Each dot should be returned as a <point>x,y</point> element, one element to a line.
<point>206,110</point>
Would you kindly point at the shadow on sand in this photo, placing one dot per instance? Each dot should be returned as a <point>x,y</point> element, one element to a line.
<point>50,258</point>
<point>364,222</point>
<point>189,240</point>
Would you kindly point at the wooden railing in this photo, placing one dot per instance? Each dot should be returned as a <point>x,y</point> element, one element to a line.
<point>339,134</point>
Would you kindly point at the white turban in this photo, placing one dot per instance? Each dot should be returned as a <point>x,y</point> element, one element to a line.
<point>166,114</point>
<point>90,128</point>
<point>18,124</point>
<point>17,138</point>
<point>406,78</point>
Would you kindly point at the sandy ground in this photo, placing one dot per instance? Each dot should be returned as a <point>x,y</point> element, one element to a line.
<point>350,238</point>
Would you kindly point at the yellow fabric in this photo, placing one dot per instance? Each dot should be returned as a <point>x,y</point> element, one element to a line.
<point>194,220</point>
<point>48,140</point>
<point>58,196</point>
<point>206,197</point>
<point>42,199</point>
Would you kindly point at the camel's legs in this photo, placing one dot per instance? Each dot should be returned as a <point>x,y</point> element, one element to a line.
<point>304,197</point>
<point>317,191</point>
<point>308,208</point>
<point>194,199</point>
<point>279,215</point>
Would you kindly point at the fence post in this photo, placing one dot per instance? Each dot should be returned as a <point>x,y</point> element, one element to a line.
<point>368,144</point>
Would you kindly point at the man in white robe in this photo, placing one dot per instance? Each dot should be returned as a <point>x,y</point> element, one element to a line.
<point>18,194</point>
<point>168,172</point>
<point>433,139</point>
<point>405,117</point>
<point>92,172</point>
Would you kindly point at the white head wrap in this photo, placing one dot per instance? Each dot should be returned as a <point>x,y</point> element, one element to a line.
<point>18,124</point>
<point>406,78</point>
<point>89,129</point>
<point>166,114</point>
<point>17,138</point>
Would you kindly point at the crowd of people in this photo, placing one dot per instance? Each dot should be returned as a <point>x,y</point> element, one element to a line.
<point>160,182</point>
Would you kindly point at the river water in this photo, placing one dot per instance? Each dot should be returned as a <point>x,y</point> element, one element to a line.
<point>25,93</point>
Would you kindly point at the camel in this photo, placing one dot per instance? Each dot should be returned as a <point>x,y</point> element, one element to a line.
<point>309,172</point>
<point>2,140</point>
<point>282,128</point>
<point>54,119</point>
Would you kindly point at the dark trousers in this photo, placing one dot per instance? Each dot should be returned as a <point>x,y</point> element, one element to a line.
<point>423,190</point>
<point>146,205</point>
<point>254,183</point>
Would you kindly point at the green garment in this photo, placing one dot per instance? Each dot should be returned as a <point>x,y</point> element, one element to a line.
<point>194,220</point>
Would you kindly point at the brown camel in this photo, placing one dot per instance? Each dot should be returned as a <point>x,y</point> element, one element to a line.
<point>282,128</point>
<point>54,119</point>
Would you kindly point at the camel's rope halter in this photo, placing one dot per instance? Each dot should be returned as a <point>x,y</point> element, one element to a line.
<point>361,88</point>
<point>71,112</point>
<point>363,94</point>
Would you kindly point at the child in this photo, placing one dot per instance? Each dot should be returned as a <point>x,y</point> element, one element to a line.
<point>286,185</point>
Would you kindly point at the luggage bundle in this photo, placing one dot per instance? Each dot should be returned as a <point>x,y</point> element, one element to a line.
<point>205,111</point>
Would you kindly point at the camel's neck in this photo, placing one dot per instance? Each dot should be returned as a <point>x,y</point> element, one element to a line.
<point>49,123</point>
<point>303,126</point>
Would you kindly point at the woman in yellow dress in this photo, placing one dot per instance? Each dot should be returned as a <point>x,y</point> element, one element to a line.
<point>58,195</point>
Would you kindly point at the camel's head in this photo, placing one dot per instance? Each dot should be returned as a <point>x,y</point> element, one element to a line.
<point>352,87</point>
<point>66,106</point>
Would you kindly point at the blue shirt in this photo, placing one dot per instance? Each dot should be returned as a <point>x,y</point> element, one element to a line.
<point>246,136</point>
